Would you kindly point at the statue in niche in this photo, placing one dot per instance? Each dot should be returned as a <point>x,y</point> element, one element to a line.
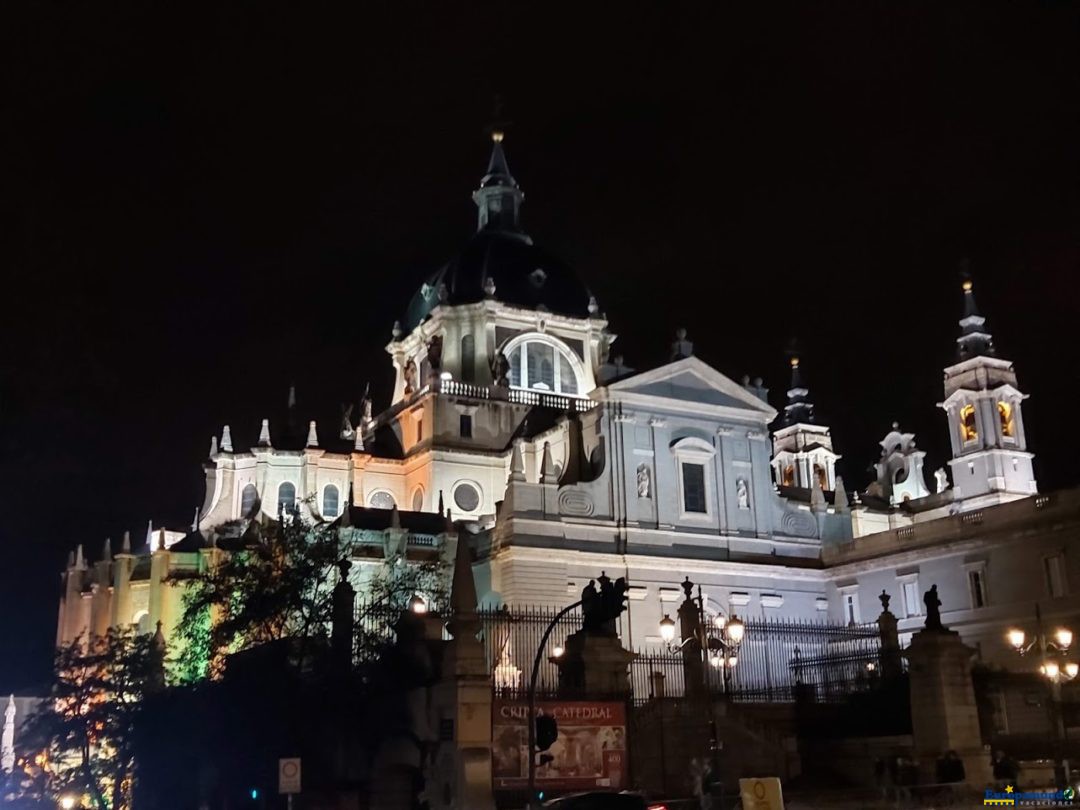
<point>500,370</point>
<point>742,493</point>
<point>410,376</point>
<point>434,353</point>
<point>644,480</point>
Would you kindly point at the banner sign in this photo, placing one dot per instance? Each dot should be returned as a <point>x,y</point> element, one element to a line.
<point>590,751</point>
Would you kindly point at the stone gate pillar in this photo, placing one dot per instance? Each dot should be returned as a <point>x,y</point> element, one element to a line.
<point>943,712</point>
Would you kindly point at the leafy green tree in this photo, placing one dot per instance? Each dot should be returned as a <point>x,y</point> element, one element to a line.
<point>85,729</point>
<point>277,582</point>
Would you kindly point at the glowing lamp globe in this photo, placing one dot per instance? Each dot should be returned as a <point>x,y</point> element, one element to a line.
<point>667,628</point>
<point>417,604</point>
<point>1051,670</point>
<point>736,630</point>
<point>1072,669</point>
<point>1016,638</point>
<point>1064,637</point>
<point>557,651</point>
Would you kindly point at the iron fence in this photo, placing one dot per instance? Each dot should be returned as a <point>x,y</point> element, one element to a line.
<point>777,661</point>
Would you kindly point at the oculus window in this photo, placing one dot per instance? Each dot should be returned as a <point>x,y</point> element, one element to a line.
<point>467,497</point>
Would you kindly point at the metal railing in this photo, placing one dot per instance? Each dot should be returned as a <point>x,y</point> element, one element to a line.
<point>778,660</point>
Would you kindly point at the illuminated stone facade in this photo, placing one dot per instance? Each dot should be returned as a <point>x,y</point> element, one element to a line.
<point>511,411</point>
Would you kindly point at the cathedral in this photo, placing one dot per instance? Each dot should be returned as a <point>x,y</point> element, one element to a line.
<point>515,426</point>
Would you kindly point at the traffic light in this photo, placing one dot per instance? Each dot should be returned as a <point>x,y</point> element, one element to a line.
<point>547,731</point>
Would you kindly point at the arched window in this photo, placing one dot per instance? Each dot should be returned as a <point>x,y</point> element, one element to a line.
<point>331,498</point>
<point>822,477</point>
<point>1005,412</point>
<point>468,359</point>
<point>418,499</point>
<point>788,477</point>
<point>286,496</point>
<point>247,500</point>
<point>543,364</point>
<point>381,500</point>
<point>968,431</point>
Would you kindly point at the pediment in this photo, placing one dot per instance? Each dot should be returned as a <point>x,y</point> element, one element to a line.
<point>691,381</point>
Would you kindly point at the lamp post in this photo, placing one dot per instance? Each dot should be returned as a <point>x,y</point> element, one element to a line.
<point>718,640</point>
<point>1052,666</point>
<point>531,719</point>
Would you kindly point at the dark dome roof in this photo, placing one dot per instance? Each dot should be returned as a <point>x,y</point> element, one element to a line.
<point>524,275</point>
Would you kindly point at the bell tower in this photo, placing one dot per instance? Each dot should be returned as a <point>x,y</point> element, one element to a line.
<point>990,463</point>
<point>802,450</point>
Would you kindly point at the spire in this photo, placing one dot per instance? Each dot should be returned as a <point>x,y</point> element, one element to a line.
<point>358,442</point>
<point>226,440</point>
<point>395,517</point>
<point>441,507</point>
<point>547,467</point>
<point>312,435</point>
<point>498,199</point>
<point>264,433</point>
<point>125,544</point>
<point>840,501</point>
<point>975,340</point>
<point>161,539</point>
<point>80,560</point>
<point>106,551</point>
<point>817,497</point>
<point>213,447</point>
<point>463,586</point>
<point>799,410</point>
<point>517,464</point>
<point>150,534</point>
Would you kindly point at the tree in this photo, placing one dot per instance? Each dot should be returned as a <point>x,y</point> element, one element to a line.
<point>277,583</point>
<point>85,729</point>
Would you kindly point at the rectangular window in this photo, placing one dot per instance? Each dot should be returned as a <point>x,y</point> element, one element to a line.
<point>1054,567</point>
<point>419,430</point>
<point>465,426</point>
<point>693,480</point>
<point>977,587</point>
<point>909,590</point>
<point>850,602</point>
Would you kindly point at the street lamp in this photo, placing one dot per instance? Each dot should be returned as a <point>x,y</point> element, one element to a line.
<point>667,629</point>
<point>1055,669</point>
<point>67,801</point>
<point>417,604</point>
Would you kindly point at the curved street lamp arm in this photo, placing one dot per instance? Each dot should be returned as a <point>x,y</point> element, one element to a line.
<point>532,697</point>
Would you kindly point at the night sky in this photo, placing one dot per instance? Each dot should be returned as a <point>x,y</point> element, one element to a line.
<point>202,204</point>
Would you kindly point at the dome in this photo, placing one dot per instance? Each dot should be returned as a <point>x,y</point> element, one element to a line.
<point>524,275</point>
<point>500,253</point>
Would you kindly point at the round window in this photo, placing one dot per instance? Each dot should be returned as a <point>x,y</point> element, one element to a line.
<point>466,497</point>
<point>418,500</point>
